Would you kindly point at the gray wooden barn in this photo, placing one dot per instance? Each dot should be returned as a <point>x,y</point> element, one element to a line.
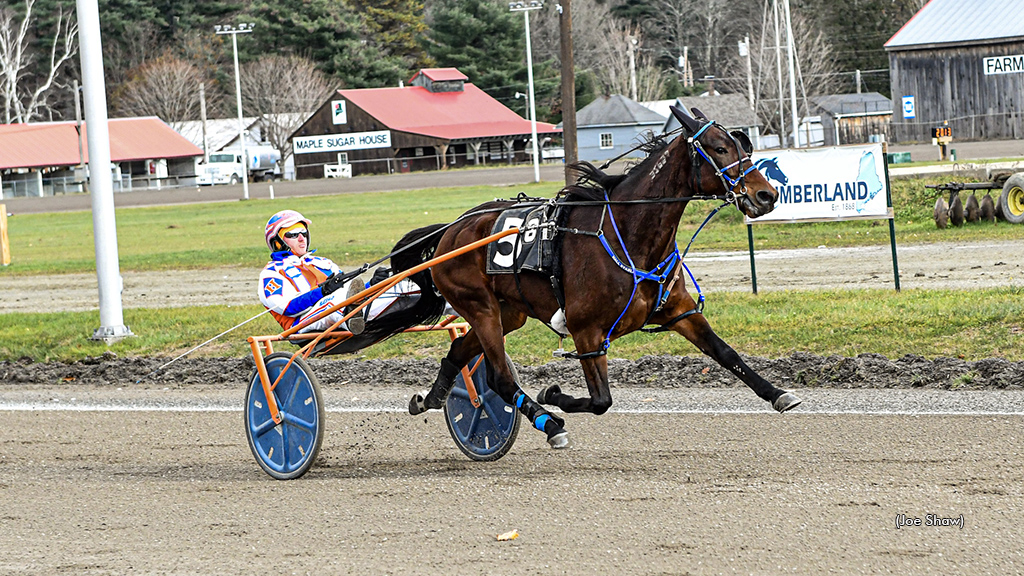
<point>959,61</point>
<point>853,118</point>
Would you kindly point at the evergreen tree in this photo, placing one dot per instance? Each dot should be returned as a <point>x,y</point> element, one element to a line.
<point>328,32</point>
<point>484,41</point>
<point>398,26</point>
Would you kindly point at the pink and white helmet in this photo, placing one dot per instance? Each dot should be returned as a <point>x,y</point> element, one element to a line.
<point>280,221</point>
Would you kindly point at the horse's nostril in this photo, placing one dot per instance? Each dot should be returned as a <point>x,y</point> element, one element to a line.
<point>765,197</point>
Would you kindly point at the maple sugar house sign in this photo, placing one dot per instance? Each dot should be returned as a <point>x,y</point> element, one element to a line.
<point>342,142</point>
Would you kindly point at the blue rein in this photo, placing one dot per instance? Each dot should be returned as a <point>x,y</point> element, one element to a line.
<point>661,272</point>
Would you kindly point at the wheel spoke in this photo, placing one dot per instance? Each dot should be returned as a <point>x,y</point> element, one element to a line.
<point>263,428</point>
<point>293,420</point>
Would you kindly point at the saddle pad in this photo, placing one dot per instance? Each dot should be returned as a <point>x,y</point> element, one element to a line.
<point>531,249</point>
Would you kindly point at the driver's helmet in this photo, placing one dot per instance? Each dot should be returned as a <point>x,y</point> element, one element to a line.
<point>282,221</point>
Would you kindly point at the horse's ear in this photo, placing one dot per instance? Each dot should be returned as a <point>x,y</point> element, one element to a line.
<point>699,114</point>
<point>688,123</point>
<point>744,141</point>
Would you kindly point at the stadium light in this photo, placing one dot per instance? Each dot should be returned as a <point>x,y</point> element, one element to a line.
<point>234,31</point>
<point>525,8</point>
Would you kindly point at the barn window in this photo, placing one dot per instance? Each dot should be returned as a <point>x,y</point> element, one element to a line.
<point>606,140</point>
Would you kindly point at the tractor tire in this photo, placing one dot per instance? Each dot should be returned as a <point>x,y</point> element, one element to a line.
<point>1011,201</point>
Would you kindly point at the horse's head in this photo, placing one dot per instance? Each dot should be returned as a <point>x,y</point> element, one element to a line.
<point>721,164</point>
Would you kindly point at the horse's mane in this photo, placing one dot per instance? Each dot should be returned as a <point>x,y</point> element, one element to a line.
<point>592,182</point>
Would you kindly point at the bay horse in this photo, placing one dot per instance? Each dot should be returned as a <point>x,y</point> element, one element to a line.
<point>620,271</point>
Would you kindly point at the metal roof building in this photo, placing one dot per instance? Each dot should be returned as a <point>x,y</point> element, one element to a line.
<point>40,159</point>
<point>960,62</point>
<point>853,118</point>
<point>439,120</point>
<point>730,110</point>
<point>611,125</point>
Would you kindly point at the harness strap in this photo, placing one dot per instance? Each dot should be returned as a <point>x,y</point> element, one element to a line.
<point>666,326</point>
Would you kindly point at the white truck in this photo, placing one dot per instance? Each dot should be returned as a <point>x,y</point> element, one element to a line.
<point>225,167</point>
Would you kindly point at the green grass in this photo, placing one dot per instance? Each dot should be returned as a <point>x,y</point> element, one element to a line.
<point>356,228</point>
<point>969,324</point>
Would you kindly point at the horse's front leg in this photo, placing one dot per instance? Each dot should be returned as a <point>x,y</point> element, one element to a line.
<point>696,329</point>
<point>595,370</point>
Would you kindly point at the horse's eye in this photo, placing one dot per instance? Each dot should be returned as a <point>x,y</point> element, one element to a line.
<point>721,150</point>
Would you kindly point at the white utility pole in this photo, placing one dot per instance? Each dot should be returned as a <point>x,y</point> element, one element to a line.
<point>525,8</point>
<point>202,116</point>
<point>235,31</point>
<point>632,67</point>
<point>745,51</point>
<point>792,77</point>
<point>778,71</point>
<point>101,187</point>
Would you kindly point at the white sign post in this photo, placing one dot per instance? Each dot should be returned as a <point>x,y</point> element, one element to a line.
<point>827,184</point>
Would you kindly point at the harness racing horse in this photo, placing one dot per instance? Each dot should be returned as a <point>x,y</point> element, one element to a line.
<point>620,271</point>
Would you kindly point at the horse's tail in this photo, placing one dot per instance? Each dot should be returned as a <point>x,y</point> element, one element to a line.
<point>413,249</point>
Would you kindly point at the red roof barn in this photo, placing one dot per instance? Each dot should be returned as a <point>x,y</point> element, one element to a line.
<point>439,120</point>
<point>39,159</point>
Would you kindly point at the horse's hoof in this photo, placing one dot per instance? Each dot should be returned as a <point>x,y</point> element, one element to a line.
<point>787,401</point>
<point>559,441</point>
<point>544,396</point>
<point>417,405</point>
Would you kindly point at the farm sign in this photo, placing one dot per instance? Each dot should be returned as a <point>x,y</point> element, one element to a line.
<point>835,183</point>
<point>1004,64</point>
<point>341,142</point>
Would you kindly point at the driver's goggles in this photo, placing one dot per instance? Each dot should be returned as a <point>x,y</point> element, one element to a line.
<point>293,234</point>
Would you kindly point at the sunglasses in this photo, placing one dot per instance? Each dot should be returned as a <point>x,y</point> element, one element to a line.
<point>295,234</point>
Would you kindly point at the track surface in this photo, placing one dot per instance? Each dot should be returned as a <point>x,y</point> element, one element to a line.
<point>171,488</point>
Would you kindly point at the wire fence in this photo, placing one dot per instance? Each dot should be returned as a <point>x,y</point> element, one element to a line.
<point>59,185</point>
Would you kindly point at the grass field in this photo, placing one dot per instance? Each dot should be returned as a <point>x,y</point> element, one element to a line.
<point>357,228</point>
<point>972,325</point>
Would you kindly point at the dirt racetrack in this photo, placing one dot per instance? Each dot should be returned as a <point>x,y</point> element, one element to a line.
<point>177,492</point>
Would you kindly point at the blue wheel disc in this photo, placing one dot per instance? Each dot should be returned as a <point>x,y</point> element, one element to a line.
<point>287,450</point>
<point>488,432</point>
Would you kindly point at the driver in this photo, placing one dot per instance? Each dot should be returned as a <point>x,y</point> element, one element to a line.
<point>296,285</point>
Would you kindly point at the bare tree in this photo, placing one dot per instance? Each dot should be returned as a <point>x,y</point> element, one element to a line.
<point>283,91</point>
<point>816,71</point>
<point>613,70</point>
<point>166,87</point>
<point>22,101</point>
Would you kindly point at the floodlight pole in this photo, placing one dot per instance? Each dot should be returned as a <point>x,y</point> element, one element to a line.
<point>525,8</point>
<point>101,187</point>
<point>234,32</point>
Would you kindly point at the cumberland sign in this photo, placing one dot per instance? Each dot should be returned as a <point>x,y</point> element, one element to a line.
<point>341,142</point>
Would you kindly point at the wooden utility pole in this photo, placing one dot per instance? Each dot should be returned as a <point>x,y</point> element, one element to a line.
<point>568,89</point>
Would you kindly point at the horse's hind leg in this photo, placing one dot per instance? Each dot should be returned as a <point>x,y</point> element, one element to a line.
<point>696,329</point>
<point>480,339</point>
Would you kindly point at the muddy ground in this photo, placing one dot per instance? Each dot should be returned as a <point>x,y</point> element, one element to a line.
<point>800,370</point>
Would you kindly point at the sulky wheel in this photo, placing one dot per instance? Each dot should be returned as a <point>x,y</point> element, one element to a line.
<point>286,450</point>
<point>488,432</point>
